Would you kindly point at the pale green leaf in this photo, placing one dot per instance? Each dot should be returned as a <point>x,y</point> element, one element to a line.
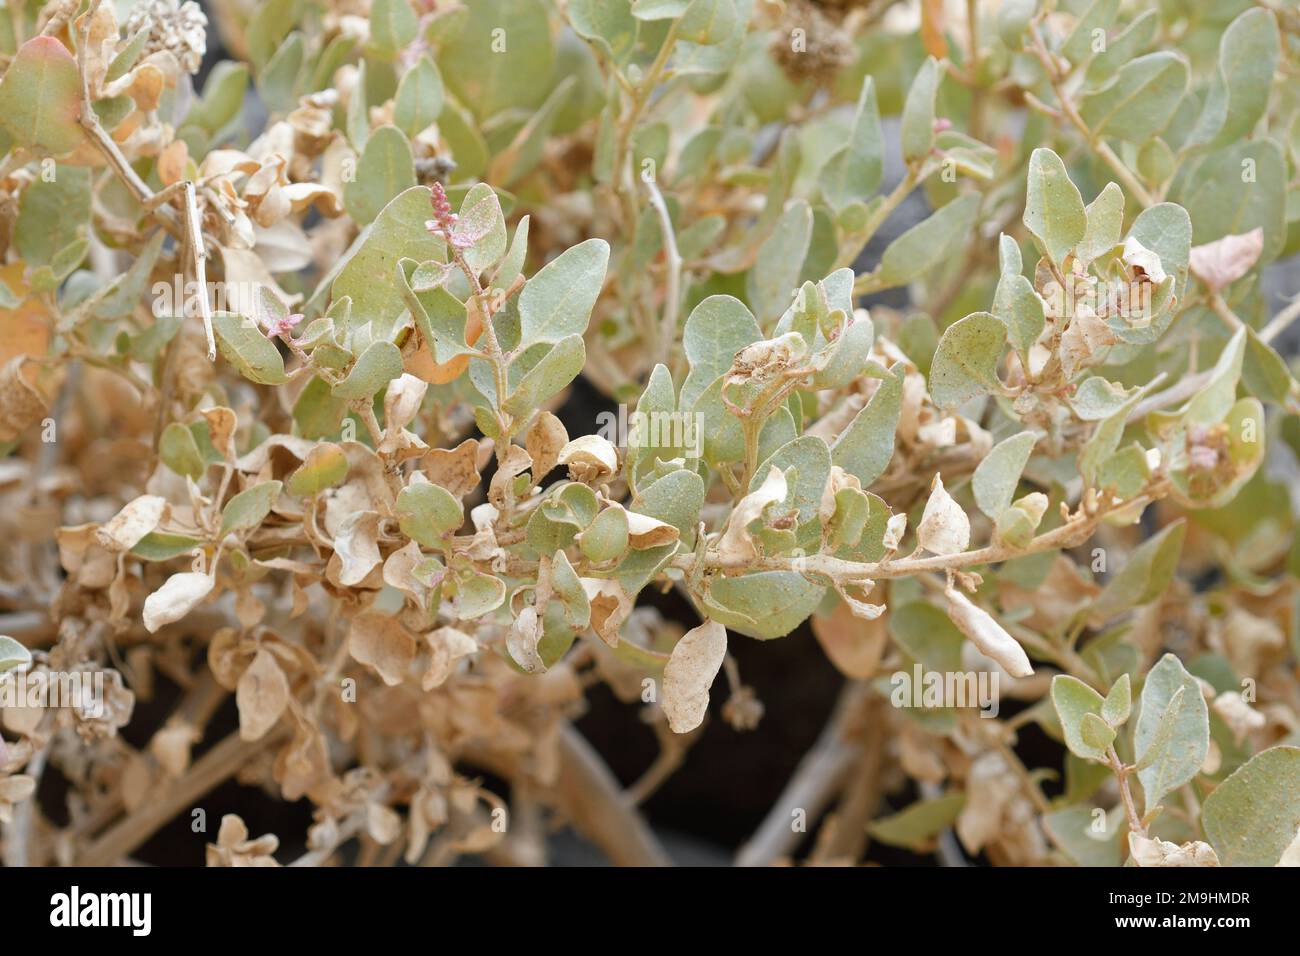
<point>248,508</point>
<point>245,346</point>
<point>1074,700</point>
<point>1173,729</point>
<point>1254,816</point>
<point>1054,211</point>
<point>1144,575</point>
<point>557,301</point>
<point>965,363</point>
<point>995,479</point>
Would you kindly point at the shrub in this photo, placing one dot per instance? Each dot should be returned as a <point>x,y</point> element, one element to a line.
<point>287,397</point>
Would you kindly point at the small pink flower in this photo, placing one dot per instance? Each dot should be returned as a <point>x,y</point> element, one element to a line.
<point>1203,458</point>
<point>283,326</point>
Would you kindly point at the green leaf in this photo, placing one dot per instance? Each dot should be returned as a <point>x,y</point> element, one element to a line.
<point>708,21</point>
<point>481,224</point>
<point>1074,700</point>
<point>928,243</point>
<point>676,498</point>
<point>1095,399</point>
<point>1118,704</point>
<point>917,125</point>
<point>161,546</point>
<point>1172,735</point>
<point>385,170</point>
<point>1236,189</point>
<point>369,277</point>
<point>561,364</point>
<point>865,448</point>
<point>765,605</point>
<point>1105,222</point>
<point>607,23</point>
<point>557,301</point>
<point>12,654</point>
<point>40,97</point>
<point>717,328</point>
<point>927,635</point>
<point>1219,392</point>
<point>248,508</point>
<point>1253,816</point>
<point>1265,373</point>
<point>659,9</point>
<point>426,512</point>
<point>780,261</point>
<point>915,827</point>
<point>1139,101</point>
<point>606,538</point>
<point>178,451</point>
<point>419,98</point>
<point>1074,830</point>
<point>997,476</point>
<point>278,82</point>
<point>477,593</point>
<point>1095,732</point>
<point>1099,15</point>
<point>379,364</point>
<point>325,467</point>
<point>1019,308</point>
<point>1248,55</point>
<point>270,23</point>
<point>502,58</point>
<point>1054,212</point>
<point>1145,574</point>
<point>356,122</point>
<point>853,172</point>
<point>245,346</point>
<point>526,149</point>
<point>223,97</point>
<point>392,26</point>
<point>52,215</point>
<point>965,363</point>
<point>569,592</point>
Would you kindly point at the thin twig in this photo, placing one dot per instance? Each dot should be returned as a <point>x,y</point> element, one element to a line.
<point>598,807</point>
<point>814,784</point>
<point>199,259</point>
<point>223,760</point>
<point>672,294</point>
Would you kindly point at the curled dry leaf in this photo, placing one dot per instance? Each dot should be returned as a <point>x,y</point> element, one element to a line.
<point>132,523</point>
<point>590,458</point>
<point>179,595</point>
<point>525,632</point>
<point>644,531</point>
<point>1222,262</point>
<point>689,674</point>
<point>944,527</point>
<point>736,543</point>
<point>1146,851</point>
<point>545,441</point>
<point>987,634</point>
<point>610,607</point>
<point>378,641</point>
<point>262,696</point>
<point>447,646</point>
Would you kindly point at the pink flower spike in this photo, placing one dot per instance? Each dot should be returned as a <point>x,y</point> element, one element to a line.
<point>444,220</point>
